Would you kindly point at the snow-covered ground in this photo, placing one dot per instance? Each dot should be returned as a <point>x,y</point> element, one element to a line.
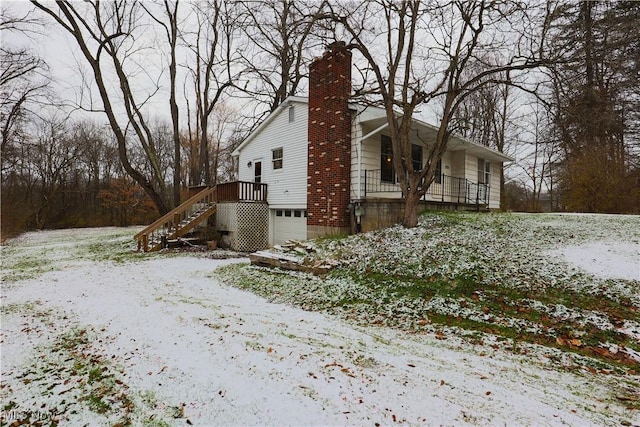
<point>605,259</point>
<point>93,337</point>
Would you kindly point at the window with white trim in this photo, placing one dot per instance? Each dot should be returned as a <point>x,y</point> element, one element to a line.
<point>387,173</point>
<point>484,171</point>
<point>276,156</point>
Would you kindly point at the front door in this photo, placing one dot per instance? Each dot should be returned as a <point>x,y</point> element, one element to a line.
<point>257,171</point>
<point>257,175</point>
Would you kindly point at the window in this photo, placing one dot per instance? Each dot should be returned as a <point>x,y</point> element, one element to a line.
<point>484,171</point>
<point>276,156</point>
<point>416,156</point>
<point>297,214</point>
<point>291,114</point>
<point>287,213</point>
<point>438,177</point>
<point>278,212</point>
<point>387,174</point>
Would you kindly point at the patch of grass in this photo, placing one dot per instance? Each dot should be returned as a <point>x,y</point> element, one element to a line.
<point>96,403</point>
<point>23,268</point>
<point>31,255</point>
<point>71,370</point>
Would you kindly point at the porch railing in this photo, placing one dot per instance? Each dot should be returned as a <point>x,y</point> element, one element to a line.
<point>446,189</point>
<point>242,191</point>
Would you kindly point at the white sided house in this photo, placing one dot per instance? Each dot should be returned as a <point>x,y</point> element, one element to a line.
<point>323,165</point>
<point>327,163</point>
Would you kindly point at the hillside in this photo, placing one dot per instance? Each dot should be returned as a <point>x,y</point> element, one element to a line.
<point>570,282</point>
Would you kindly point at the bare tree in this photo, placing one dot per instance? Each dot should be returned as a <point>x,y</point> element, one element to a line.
<point>171,31</point>
<point>23,83</point>
<point>213,73</point>
<point>282,33</point>
<point>537,153</point>
<point>108,36</point>
<point>429,49</point>
<point>53,159</point>
<point>490,117</point>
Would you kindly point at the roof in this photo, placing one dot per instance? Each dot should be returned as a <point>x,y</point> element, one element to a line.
<point>376,118</point>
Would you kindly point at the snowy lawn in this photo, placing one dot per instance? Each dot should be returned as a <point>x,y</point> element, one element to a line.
<point>413,327</point>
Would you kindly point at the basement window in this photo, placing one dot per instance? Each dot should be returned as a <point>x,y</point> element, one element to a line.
<point>276,156</point>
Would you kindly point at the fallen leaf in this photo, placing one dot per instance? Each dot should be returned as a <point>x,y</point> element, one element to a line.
<point>627,397</point>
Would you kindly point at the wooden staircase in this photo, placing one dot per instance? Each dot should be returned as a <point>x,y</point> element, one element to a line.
<point>179,221</point>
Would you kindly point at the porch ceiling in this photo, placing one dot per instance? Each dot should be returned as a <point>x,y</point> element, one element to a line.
<point>424,134</point>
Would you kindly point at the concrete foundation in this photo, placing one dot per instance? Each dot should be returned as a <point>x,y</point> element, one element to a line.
<point>381,213</point>
<point>314,231</point>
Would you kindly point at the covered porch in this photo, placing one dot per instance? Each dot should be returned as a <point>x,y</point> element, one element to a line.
<point>444,189</point>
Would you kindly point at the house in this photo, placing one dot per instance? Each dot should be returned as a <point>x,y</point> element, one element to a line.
<point>327,162</point>
<point>323,165</point>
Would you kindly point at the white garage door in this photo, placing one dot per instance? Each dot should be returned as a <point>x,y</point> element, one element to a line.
<point>289,224</point>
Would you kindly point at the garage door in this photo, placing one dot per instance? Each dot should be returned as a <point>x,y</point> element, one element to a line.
<point>289,224</point>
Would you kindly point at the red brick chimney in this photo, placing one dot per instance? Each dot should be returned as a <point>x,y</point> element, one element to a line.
<point>329,134</point>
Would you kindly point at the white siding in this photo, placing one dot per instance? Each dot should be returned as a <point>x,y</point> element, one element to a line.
<point>287,187</point>
<point>457,164</point>
<point>494,195</point>
<point>494,180</point>
<point>371,153</point>
<point>470,167</point>
<point>356,134</point>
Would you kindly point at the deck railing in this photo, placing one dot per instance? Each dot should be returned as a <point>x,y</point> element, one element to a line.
<point>242,191</point>
<point>196,209</point>
<point>445,189</point>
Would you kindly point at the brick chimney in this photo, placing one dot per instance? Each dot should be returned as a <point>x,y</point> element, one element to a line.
<point>329,134</point>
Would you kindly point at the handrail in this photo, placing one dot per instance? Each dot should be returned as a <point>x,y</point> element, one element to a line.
<point>456,189</point>
<point>194,210</point>
<point>178,210</point>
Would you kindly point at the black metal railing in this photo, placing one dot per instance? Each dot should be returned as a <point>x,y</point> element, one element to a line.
<point>446,189</point>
